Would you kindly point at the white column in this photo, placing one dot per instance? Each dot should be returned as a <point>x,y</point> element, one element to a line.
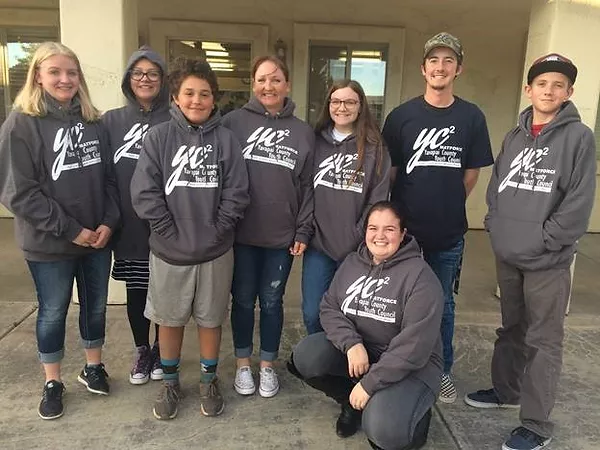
<point>571,29</point>
<point>103,33</point>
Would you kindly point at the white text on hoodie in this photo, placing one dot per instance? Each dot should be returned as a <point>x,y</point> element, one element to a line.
<point>69,146</point>
<point>132,139</point>
<point>265,145</point>
<point>530,177</point>
<point>190,170</point>
<point>372,306</point>
<point>335,172</point>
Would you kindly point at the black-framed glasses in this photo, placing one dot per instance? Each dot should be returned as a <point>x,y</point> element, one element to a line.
<point>349,103</point>
<point>138,75</point>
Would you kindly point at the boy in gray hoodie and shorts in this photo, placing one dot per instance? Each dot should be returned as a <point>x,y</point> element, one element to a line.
<point>540,198</point>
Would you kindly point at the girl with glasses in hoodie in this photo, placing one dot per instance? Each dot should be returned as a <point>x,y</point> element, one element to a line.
<point>191,185</point>
<point>278,149</point>
<point>352,172</point>
<point>57,180</point>
<point>145,87</point>
<point>379,355</point>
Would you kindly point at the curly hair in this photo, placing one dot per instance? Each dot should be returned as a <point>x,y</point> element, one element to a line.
<point>183,67</point>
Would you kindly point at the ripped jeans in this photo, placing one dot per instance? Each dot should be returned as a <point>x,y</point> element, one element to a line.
<point>263,273</point>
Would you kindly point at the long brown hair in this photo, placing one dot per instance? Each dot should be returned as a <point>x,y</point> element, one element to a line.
<point>365,128</point>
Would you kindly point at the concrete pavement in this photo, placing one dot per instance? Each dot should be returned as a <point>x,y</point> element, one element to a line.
<point>297,417</point>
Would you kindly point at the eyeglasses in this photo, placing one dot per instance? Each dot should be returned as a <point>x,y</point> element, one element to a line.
<point>138,75</point>
<point>349,103</point>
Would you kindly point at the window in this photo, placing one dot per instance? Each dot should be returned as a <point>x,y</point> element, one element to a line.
<point>17,48</point>
<point>366,64</point>
<point>231,63</point>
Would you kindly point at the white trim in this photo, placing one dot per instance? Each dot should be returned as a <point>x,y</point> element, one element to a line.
<point>163,30</point>
<point>304,33</point>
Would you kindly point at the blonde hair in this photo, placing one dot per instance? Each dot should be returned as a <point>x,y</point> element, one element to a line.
<point>30,99</point>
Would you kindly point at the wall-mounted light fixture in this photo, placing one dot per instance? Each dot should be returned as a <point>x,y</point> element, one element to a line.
<point>280,48</point>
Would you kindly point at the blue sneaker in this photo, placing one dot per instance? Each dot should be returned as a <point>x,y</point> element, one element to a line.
<point>523,439</point>
<point>487,399</point>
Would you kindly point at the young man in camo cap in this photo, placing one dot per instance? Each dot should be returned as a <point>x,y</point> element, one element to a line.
<point>438,142</point>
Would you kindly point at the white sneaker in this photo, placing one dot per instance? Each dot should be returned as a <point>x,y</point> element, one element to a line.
<point>269,384</point>
<point>244,381</point>
<point>447,391</point>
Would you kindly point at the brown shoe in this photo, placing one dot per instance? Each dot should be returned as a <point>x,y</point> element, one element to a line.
<point>211,400</point>
<point>165,406</point>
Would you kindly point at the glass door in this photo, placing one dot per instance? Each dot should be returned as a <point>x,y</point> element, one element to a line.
<point>231,63</point>
<point>329,62</point>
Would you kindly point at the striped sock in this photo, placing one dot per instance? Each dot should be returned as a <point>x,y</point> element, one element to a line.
<point>170,370</point>
<point>208,369</point>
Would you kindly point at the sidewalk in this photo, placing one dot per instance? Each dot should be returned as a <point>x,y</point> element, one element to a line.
<point>297,417</point>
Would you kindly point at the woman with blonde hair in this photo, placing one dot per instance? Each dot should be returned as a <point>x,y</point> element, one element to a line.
<point>55,177</point>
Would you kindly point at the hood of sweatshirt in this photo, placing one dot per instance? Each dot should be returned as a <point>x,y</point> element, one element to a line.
<point>162,99</point>
<point>395,310</point>
<point>534,179</point>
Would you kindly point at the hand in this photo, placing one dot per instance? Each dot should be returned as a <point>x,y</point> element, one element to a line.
<point>359,397</point>
<point>297,249</point>
<point>103,233</point>
<point>358,360</point>
<point>85,238</point>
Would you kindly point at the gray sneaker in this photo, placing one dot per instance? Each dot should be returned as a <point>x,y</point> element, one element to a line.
<point>211,400</point>
<point>165,406</point>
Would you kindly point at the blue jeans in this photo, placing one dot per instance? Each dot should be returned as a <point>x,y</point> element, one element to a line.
<point>318,270</point>
<point>445,265</point>
<point>261,272</point>
<point>54,285</point>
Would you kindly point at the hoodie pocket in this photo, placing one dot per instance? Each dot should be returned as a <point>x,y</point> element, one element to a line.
<point>272,222</point>
<point>515,240</point>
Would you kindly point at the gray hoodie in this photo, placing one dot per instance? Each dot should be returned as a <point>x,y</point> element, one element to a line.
<point>339,229</point>
<point>127,127</point>
<point>191,184</point>
<point>279,155</point>
<point>541,192</point>
<point>394,309</point>
<point>56,178</point>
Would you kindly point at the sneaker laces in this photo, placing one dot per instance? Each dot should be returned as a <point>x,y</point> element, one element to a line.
<point>212,390</point>
<point>52,390</point>
<point>170,393</point>
<point>142,360</point>
<point>96,373</point>
<point>528,435</point>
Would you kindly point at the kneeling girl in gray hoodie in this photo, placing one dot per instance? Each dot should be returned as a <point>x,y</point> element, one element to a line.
<point>379,356</point>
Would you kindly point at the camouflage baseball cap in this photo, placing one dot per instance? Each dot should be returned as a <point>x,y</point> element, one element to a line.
<point>444,39</point>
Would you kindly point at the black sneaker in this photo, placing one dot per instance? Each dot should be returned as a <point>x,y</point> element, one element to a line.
<point>51,405</point>
<point>348,422</point>
<point>487,399</point>
<point>94,378</point>
<point>523,439</point>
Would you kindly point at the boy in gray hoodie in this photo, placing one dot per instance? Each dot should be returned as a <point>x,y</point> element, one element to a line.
<point>540,197</point>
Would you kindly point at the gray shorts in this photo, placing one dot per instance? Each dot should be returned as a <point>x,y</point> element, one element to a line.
<point>201,291</point>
